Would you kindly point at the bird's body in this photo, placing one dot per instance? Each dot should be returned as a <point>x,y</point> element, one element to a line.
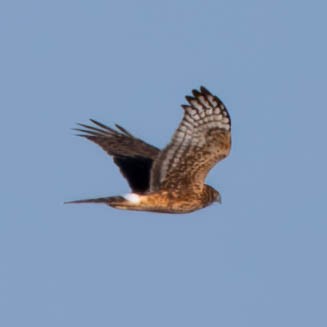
<point>171,180</point>
<point>164,201</point>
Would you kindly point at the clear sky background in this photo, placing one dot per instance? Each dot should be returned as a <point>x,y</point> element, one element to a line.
<point>259,259</point>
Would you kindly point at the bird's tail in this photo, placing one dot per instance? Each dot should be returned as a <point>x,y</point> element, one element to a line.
<point>111,200</point>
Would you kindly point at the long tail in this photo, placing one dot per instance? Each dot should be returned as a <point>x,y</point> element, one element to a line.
<point>108,200</point>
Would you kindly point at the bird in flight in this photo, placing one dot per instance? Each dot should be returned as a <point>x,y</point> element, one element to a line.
<point>169,180</point>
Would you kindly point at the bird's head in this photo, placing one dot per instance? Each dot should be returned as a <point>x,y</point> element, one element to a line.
<point>217,196</point>
<point>212,195</point>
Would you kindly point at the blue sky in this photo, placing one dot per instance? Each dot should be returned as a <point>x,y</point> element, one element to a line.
<point>259,259</point>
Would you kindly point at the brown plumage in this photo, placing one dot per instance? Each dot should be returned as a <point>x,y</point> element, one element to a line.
<point>171,180</point>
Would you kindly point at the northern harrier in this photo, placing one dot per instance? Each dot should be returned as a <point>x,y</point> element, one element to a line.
<point>169,180</point>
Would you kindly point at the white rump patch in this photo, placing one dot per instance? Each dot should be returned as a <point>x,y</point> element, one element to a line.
<point>132,197</point>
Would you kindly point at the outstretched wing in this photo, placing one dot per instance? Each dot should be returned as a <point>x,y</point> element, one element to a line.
<point>133,156</point>
<point>202,139</point>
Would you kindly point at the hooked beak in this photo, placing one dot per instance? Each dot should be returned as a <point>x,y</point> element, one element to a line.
<point>219,200</point>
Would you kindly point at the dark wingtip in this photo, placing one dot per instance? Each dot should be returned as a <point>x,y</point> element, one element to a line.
<point>83,135</point>
<point>204,90</point>
<point>196,93</point>
<point>189,98</point>
<point>86,133</point>
<point>122,129</point>
<point>80,130</point>
<point>103,126</point>
<point>93,121</point>
<point>83,125</point>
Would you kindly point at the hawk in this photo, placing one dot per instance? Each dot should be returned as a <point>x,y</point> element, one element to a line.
<point>169,180</point>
